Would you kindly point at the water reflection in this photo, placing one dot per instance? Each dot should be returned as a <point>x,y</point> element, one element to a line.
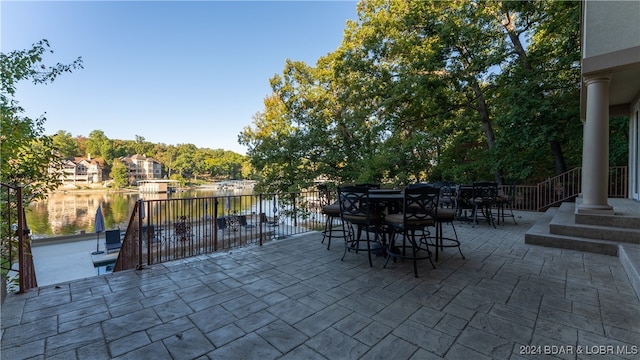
<point>73,212</point>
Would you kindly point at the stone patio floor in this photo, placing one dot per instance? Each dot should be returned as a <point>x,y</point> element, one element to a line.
<point>294,299</point>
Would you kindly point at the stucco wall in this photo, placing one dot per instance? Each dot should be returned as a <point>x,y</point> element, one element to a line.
<point>610,26</point>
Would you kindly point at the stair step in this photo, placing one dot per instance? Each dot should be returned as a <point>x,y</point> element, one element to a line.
<point>627,222</point>
<point>538,234</point>
<point>628,252</point>
<point>627,215</point>
<point>564,223</point>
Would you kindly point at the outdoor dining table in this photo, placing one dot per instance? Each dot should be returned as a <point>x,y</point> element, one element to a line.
<point>381,195</point>
<point>385,201</point>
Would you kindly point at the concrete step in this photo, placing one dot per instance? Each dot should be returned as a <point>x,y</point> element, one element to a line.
<point>540,234</point>
<point>627,222</point>
<point>564,223</point>
<point>628,252</point>
<point>627,215</point>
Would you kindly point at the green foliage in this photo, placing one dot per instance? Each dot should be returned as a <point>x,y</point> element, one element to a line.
<point>120,174</point>
<point>26,154</point>
<point>428,90</point>
<point>619,140</point>
<point>66,145</point>
<point>95,142</point>
<point>179,178</point>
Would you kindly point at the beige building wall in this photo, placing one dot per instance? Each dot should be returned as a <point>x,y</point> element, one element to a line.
<point>612,26</point>
<point>611,87</point>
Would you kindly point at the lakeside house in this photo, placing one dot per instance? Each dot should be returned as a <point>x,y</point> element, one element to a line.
<point>142,167</point>
<point>80,171</point>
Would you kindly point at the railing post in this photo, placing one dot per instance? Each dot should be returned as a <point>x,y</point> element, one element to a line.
<point>260,218</point>
<point>215,223</point>
<point>295,210</point>
<point>21,267</point>
<point>139,205</point>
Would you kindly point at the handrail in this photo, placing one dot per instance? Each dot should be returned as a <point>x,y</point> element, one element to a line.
<point>563,187</point>
<point>177,228</point>
<point>16,236</point>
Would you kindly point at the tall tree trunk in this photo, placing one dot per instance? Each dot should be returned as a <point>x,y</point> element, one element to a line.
<point>556,150</point>
<point>509,25</point>
<point>483,112</point>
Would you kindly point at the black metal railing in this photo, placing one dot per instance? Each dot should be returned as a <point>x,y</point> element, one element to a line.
<point>14,240</point>
<point>171,229</point>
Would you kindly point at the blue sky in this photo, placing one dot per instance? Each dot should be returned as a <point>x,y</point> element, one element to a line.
<point>171,72</point>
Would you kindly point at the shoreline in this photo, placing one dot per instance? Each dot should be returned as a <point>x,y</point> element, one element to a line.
<point>92,190</point>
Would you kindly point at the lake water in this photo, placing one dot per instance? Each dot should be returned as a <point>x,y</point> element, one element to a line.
<point>73,212</point>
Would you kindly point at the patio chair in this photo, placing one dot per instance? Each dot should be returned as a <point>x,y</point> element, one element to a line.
<point>420,206</point>
<point>445,214</point>
<point>222,223</point>
<point>464,203</point>
<point>369,185</point>
<point>112,240</point>
<point>355,209</point>
<point>484,196</point>
<point>149,233</point>
<point>265,220</point>
<point>331,211</point>
<point>242,220</point>
<point>448,194</point>
<point>504,200</point>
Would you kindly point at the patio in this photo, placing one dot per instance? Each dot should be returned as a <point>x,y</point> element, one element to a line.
<point>292,298</point>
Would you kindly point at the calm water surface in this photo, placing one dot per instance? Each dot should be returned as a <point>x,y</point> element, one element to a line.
<point>74,212</point>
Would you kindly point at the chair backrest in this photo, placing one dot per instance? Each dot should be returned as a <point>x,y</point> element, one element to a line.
<point>242,219</point>
<point>324,195</point>
<point>148,232</point>
<point>485,190</point>
<point>112,236</point>
<point>508,191</point>
<point>264,218</point>
<point>464,197</point>
<point>448,193</point>
<point>354,203</point>
<point>182,228</point>
<point>222,223</point>
<point>420,206</point>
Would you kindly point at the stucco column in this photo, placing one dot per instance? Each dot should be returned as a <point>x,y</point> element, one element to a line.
<point>595,148</point>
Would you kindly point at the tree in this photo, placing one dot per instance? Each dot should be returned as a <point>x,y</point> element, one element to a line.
<point>539,88</point>
<point>26,154</point>
<point>424,90</point>
<point>142,146</point>
<point>66,144</point>
<point>97,139</point>
<point>120,174</point>
<point>185,160</point>
<point>274,149</point>
<point>167,156</point>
